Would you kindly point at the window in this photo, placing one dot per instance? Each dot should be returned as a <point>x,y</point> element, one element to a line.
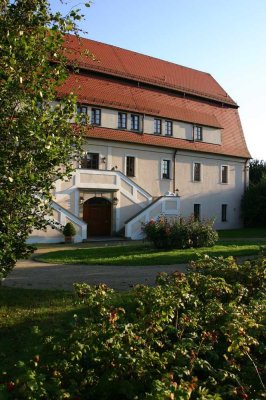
<point>82,110</point>
<point>122,120</point>
<point>134,122</point>
<point>166,169</point>
<point>224,174</point>
<point>96,116</point>
<point>130,166</point>
<point>197,172</point>
<point>90,161</point>
<point>168,128</point>
<point>224,212</point>
<point>197,212</point>
<point>197,132</point>
<point>157,126</point>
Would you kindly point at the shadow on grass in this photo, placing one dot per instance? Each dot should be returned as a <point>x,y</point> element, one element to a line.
<point>28,315</point>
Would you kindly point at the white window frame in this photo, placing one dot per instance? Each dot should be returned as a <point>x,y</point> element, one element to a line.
<point>221,174</point>
<point>170,168</point>
<point>193,171</point>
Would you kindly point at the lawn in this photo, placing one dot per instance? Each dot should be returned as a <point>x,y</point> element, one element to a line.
<point>144,254</point>
<point>247,233</point>
<point>21,312</point>
<point>27,315</point>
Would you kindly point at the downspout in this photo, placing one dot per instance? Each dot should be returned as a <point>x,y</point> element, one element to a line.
<point>174,172</point>
<point>246,171</point>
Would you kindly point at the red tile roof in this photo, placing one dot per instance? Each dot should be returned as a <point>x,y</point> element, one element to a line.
<point>102,92</point>
<point>116,95</point>
<point>106,90</point>
<point>100,133</point>
<point>142,68</point>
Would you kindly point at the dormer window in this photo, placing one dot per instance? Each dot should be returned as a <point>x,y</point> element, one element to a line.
<point>168,128</point>
<point>197,133</point>
<point>134,122</point>
<point>82,109</point>
<point>157,126</point>
<point>122,120</point>
<point>96,116</point>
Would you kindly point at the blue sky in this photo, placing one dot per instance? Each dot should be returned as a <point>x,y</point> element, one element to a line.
<point>226,38</point>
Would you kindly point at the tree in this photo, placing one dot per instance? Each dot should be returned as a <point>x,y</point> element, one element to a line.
<point>257,170</point>
<point>253,205</point>
<point>37,141</point>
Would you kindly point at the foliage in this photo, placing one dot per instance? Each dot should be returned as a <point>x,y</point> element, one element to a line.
<point>257,171</point>
<point>253,205</point>
<point>180,233</point>
<point>37,141</point>
<point>194,336</point>
<point>69,229</point>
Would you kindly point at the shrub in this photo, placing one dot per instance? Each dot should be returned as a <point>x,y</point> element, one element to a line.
<point>194,336</point>
<point>180,233</point>
<point>69,230</point>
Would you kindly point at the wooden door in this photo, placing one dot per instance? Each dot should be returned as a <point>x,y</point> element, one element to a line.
<point>97,214</point>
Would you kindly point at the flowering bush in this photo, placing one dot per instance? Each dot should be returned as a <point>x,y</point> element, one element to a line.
<point>194,336</point>
<point>180,233</point>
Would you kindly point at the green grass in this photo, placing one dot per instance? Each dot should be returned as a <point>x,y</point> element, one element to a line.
<point>146,255</point>
<point>21,311</point>
<point>248,233</point>
<point>27,315</point>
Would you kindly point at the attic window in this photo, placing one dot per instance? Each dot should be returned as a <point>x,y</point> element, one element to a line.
<point>96,116</point>
<point>134,122</point>
<point>197,133</point>
<point>82,109</point>
<point>157,126</point>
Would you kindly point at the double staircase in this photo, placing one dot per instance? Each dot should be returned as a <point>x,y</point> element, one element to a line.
<point>66,203</point>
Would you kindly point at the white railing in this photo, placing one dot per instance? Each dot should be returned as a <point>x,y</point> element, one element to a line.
<point>66,216</point>
<point>168,206</point>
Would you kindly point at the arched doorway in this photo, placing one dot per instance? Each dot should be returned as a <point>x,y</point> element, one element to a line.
<point>97,214</point>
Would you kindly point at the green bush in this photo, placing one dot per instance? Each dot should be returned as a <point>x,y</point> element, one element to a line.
<point>180,233</point>
<point>69,230</point>
<point>194,336</point>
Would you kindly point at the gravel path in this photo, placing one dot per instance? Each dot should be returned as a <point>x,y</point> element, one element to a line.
<point>37,275</point>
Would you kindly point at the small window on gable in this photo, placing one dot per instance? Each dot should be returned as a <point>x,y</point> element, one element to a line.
<point>197,212</point>
<point>196,172</point>
<point>224,212</point>
<point>197,133</point>
<point>224,174</point>
<point>96,116</point>
<point>166,169</point>
<point>134,122</point>
<point>168,128</point>
<point>157,126</point>
<point>130,166</point>
<point>122,120</point>
<point>90,161</point>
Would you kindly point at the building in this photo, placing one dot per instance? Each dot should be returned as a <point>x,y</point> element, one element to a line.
<point>165,139</point>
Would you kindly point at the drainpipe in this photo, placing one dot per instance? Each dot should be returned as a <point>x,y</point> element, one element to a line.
<point>174,175</point>
<point>246,176</point>
<point>143,120</point>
